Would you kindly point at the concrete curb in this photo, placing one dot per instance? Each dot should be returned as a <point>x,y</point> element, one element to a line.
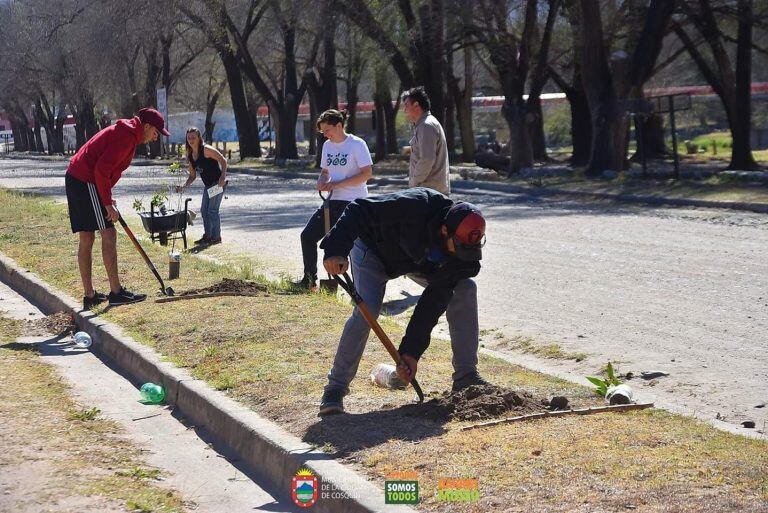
<point>467,185</point>
<point>273,453</point>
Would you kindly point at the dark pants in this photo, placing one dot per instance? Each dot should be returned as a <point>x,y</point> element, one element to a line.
<point>314,231</point>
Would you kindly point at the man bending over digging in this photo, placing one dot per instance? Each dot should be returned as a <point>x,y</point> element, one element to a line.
<point>434,241</point>
<point>91,174</point>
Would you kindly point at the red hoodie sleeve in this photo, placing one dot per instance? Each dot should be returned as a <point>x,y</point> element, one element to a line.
<point>108,167</point>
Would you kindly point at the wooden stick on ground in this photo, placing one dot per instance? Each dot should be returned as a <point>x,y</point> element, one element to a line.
<point>199,296</point>
<point>542,415</point>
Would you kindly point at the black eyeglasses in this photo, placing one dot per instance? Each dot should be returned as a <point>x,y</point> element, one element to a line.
<point>462,245</point>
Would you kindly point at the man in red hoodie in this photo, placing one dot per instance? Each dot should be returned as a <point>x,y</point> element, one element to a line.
<point>91,174</point>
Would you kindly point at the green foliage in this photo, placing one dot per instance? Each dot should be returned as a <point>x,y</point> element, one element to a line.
<point>603,384</point>
<point>557,125</point>
<point>85,415</point>
<point>722,140</point>
<point>138,205</point>
<point>139,473</point>
<point>159,198</point>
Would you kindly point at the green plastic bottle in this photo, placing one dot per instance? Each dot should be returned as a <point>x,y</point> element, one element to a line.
<point>152,393</point>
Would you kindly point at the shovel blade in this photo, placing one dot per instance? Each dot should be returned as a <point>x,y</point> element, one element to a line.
<point>329,286</point>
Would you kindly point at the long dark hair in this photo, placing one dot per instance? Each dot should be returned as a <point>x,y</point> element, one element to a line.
<point>199,138</point>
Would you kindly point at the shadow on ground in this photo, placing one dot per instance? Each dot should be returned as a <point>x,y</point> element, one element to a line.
<point>352,432</point>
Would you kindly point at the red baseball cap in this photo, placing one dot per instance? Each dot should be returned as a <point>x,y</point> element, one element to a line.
<point>466,226</point>
<point>155,119</point>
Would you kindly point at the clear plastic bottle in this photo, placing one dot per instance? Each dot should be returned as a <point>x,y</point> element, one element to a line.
<point>83,339</point>
<point>385,376</point>
<point>152,393</point>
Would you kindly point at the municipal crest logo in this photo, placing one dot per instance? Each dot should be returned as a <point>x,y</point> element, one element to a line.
<point>304,488</point>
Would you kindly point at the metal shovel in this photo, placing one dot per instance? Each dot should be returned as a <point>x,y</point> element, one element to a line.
<point>330,286</point>
<point>348,285</point>
<point>168,291</point>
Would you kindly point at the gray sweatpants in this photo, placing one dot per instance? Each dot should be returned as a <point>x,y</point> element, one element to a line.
<point>371,282</point>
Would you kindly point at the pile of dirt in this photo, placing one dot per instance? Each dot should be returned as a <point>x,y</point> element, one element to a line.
<point>59,323</point>
<point>480,402</point>
<point>228,285</point>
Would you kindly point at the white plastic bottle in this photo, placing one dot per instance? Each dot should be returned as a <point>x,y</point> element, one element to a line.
<point>619,394</point>
<point>83,339</point>
<point>385,376</point>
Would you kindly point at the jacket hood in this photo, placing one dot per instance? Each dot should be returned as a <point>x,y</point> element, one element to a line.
<point>133,125</point>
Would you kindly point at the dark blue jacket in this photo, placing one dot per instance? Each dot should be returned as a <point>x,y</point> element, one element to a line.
<point>403,230</point>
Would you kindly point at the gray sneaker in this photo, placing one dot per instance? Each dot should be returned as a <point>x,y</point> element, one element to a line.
<point>332,402</point>
<point>467,380</point>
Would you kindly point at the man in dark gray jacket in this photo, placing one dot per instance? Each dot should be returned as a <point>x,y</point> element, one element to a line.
<point>434,241</point>
<point>428,166</point>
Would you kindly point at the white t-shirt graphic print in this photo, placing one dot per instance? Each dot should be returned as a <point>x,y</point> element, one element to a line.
<point>343,160</point>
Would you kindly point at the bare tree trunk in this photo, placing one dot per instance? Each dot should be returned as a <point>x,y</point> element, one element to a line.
<point>19,140</point>
<point>58,127</point>
<point>431,66</point>
<point>390,113</point>
<point>601,95</point>
<point>285,126</point>
<point>538,80</point>
<point>381,135</point>
<point>35,141</point>
<point>246,133</point>
<point>654,144</point>
<point>253,116</point>
<point>450,126</point>
<point>605,83</point>
<point>79,132</point>
<point>536,128</point>
<point>352,100</point>
<point>316,139</point>
<point>521,155</point>
<point>88,116</point>
<point>463,100</point>
<point>210,108</point>
<point>321,87</point>
<point>741,121</point>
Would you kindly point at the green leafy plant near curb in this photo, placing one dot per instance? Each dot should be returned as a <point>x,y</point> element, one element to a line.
<point>603,384</point>
<point>84,415</point>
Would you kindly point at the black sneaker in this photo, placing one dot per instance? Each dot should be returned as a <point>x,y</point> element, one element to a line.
<point>332,402</point>
<point>89,302</point>
<point>202,240</point>
<point>473,378</point>
<point>308,283</point>
<point>124,297</point>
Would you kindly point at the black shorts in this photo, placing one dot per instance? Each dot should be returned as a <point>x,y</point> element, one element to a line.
<point>86,213</point>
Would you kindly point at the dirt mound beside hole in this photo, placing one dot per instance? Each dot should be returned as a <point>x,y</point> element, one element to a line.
<point>59,323</point>
<point>480,402</point>
<point>229,285</point>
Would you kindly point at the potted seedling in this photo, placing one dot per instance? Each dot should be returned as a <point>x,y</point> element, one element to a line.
<point>614,391</point>
<point>162,220</point>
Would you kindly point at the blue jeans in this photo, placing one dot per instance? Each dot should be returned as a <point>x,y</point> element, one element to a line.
<point>371,283</point>
<point>209,209</point>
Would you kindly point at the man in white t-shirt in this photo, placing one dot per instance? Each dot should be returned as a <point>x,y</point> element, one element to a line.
<point>346,166</point>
